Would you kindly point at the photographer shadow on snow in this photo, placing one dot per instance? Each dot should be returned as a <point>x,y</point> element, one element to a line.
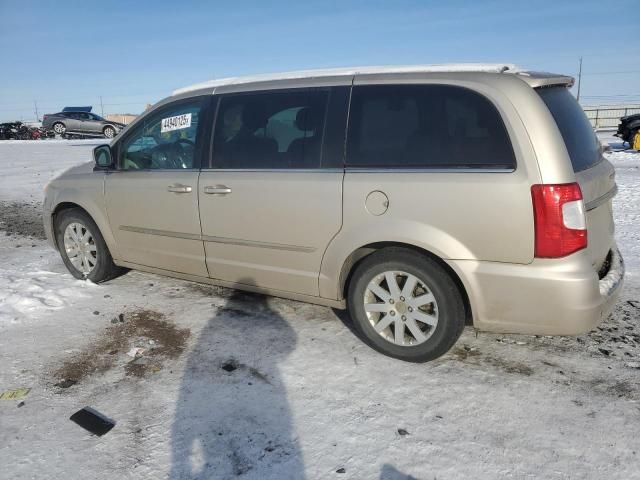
<point>232,416</point>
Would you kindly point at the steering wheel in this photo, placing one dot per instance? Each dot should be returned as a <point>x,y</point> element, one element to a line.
<point>187,141</point>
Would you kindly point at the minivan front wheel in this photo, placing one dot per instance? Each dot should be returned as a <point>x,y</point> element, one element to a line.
<point>405,305</point>
<point>82,248</point>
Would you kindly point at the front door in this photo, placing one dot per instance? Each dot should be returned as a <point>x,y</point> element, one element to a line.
<point>152,199</point>
<point>273,200</point>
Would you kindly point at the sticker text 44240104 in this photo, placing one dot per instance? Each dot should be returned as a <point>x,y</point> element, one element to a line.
<point>175,123</point>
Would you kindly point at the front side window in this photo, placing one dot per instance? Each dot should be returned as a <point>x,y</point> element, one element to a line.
<point>270,130</point>
<point>165,140</point>
<point>426,126</point>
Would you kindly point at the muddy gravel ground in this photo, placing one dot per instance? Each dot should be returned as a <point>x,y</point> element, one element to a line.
<point>22,219</point>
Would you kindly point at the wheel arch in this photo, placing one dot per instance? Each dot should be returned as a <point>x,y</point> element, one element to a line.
<point>98,217</point>
<point>359,254</point>
<point>59,208</point>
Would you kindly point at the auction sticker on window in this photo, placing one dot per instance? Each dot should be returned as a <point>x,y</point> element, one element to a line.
<point>176,123</point>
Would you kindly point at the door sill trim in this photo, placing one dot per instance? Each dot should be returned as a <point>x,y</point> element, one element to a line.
<point>326,302</point>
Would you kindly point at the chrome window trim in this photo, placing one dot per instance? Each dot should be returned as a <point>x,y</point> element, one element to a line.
<point>280,170</point>
<point>159,170</point>
<point>335,170</point>
<point>364,170</point>
<point>428,170</point>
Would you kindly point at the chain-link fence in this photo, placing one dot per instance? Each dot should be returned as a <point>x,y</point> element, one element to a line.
<point>608,117</point>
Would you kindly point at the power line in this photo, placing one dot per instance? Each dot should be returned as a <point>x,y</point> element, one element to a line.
<point>630,95</point>
<point>612,73</point>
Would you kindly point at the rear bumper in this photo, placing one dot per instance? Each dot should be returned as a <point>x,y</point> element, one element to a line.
<point>547,297</point>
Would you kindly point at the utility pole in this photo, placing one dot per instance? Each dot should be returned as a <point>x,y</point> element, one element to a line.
<point>579,79</point>
<point>35,103</point>
<point>101,107</point>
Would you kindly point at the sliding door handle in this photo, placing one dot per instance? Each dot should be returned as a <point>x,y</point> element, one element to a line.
<point>217,190</point>
<point>179,188</point>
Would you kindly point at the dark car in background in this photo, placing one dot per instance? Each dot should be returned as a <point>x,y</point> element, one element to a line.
<point>80,123</point>
<point>629,130</point>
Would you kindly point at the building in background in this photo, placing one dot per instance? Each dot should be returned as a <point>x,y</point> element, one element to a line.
<point>124,118</point>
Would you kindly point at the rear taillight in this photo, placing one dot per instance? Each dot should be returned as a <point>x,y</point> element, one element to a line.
<point>560,225</point>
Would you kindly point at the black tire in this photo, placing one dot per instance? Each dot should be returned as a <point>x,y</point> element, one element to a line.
<point>109,131</point>
<point>104,268</point>
<point>450,306</point>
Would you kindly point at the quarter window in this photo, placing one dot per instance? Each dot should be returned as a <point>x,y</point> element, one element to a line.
<point>577,133</point>
<point>426,126</point>
<point>165,140</point>
<point>270,130</point>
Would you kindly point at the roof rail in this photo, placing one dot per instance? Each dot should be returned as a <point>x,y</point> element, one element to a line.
<point>350,71</point>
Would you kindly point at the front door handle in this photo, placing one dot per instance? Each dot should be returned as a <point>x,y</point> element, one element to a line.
<point>178,188</point>
<point>217,190</point>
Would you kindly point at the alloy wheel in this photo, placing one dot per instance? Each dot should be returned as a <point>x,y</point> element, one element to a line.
<point>401,308</point>
<point>80,247</point>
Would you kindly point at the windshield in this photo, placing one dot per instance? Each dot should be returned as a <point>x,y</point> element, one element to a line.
<point>577,132</point>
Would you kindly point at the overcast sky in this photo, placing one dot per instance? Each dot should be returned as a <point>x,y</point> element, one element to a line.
<point>135,52</point>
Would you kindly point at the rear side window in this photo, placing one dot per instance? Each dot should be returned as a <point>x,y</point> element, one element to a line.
<point>426,126</point>
<point>577,132</point>
<point>270,130</point>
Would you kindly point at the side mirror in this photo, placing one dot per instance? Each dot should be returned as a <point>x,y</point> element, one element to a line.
<point>102,157</point>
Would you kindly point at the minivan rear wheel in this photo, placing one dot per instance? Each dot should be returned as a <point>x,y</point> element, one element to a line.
<point>405,305</point>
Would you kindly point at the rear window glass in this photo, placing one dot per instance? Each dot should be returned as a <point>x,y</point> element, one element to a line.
<point>426,126</point>
<point>574,126</point>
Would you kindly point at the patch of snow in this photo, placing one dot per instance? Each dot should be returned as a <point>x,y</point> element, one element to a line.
<point>27,291</point>
<point>614,276</point>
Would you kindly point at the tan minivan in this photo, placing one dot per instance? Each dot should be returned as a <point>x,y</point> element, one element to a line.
<point>421,198</point>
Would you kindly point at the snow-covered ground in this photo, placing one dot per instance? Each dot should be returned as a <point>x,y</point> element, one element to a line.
<point>233,384</point>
